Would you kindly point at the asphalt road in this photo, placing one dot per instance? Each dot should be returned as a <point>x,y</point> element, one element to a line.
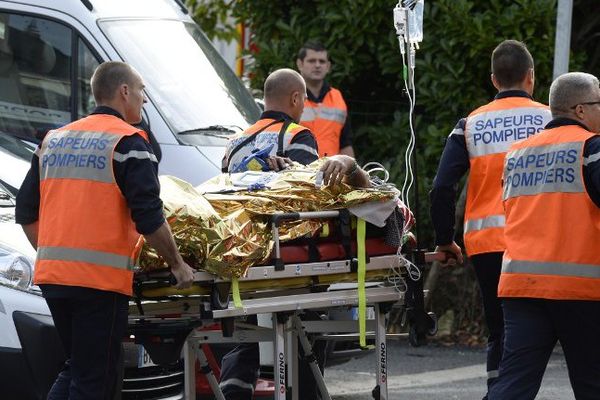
<point>434,373</point>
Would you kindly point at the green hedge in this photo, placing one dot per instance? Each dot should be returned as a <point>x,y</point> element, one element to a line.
<point>452,75</point>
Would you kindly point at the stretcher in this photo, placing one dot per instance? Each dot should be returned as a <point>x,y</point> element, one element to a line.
<point>300,277</point>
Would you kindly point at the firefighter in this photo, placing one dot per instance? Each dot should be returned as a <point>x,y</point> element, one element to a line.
<point>479,143</point>
<point>550,282</point>
<point>91,193</point>
<point>277,128</point>
<point>277,136</point>
<point>325,111</point>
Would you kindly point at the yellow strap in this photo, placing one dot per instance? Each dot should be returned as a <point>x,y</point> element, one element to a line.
<point>235,289</point>
<point>362,271</point>
<point>325,230</point>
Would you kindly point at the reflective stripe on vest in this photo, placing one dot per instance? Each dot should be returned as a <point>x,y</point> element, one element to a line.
<point>86,234</point>
<point>326,121</point>
<point>327,113</point>
<point>551,268</point>
<point>87,256</point>
<point>552,225</point>
<point>489,132</point>
<point>493,221</point>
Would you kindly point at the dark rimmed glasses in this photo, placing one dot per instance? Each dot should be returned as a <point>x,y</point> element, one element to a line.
<point>589,103</point>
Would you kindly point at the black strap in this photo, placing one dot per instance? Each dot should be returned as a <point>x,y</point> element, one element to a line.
<point>284,127</point>
<point>225,163</point>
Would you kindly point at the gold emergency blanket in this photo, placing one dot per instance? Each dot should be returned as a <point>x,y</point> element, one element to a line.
<point>225,233</point>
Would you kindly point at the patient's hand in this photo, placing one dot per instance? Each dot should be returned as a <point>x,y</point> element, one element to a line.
<point>343,168</point>
<point>277,163</point>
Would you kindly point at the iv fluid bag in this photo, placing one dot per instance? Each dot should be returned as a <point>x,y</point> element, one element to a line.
<point>415,22</point>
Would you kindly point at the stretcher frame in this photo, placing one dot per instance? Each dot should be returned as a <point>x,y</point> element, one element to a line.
<point>287,329</point>
<point>284,308</point>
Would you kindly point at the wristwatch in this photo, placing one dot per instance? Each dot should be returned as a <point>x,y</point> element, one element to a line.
<point>352,169</point>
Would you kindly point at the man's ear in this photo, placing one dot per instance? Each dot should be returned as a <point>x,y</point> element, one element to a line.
<point>494,82</point>
<point>298,63</point>
<point>124,90</point>
<point>531,75</point>
<point>579,111</point>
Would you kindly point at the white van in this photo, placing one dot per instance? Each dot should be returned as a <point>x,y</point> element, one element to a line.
<point>48,51</point>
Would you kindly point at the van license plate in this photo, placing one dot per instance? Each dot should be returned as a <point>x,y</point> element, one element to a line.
<point>144,359</point>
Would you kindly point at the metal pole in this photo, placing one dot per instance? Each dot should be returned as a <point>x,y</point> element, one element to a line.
<point>381,354</point>
<point>308,354</point>
<point>208,374</point>
<point>562,42</point>
<point>292,363</point>
<point>189,367</point>
<point>279,375</point>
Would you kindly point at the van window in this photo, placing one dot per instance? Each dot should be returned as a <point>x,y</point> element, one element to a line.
<point>187,79</point>
<point>87,64</point>
<point>36,76</point>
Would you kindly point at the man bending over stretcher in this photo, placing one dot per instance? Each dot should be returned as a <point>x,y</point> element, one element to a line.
<point>278,134</point>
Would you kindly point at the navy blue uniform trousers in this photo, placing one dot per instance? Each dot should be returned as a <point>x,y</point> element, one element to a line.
<point>532,328</point>
<point>487,269</point>
<point>91,325</point>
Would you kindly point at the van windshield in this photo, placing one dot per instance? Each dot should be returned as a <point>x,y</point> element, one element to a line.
<point>186,78</point>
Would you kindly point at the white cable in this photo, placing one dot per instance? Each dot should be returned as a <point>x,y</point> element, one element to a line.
<point>412,133</point>
<point>408,174</point>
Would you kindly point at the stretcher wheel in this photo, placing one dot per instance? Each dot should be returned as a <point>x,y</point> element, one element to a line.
<point>415,338</point>
<point>433,329</point>
<point>376,392</point>
<point>425,326</point>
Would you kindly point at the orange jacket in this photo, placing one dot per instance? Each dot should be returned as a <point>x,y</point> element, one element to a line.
<point>86,234</point>
<point>269,134</point>
<point>489,132</point>
<point>326,120</point>
<point>552,225</point>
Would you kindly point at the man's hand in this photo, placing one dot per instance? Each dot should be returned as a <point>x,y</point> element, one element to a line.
<point>454,250</point>
<point>184,275</point>
<point>277,163</point>
<point>164,243</point>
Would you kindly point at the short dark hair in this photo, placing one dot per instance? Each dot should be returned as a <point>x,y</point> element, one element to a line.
<point>314,45</point>
<point>107,78</point>
<point>511,61</point>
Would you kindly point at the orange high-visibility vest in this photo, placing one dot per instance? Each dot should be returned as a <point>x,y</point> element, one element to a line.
<point>489,132</point>
<point>269,135</point>
<point>326,120</point>
<point>552,225</point>
<point>86,234</point>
